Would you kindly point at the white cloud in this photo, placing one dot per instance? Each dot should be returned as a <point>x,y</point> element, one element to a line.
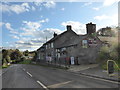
<point>32,25</point>
<point>114,19</point>
<point>111,20</point>
<point>1,24</point>
<point>6,42</point>
<point>87,4</point>
<point>30,28</point>
<point>102,17</point>
<point>62,9</point>
<point>50,4</point>
<point>8,26</point>
<point>45,20</point>
<point>39,37</point>
<point>41,16</point>
<point>14,36</point>
<point>96,8</point>
<point>24,7</point>
<point>36,36</point>
<point>78,27</point>
<point>33,8</point>
<point>39,3</point>
<point>109,2</point>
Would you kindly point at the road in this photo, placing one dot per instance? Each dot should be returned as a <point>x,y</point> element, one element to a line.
<point>33,76</point>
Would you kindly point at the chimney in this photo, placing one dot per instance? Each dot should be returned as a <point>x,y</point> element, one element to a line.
<point>55,34</point>
<point>69,27</point>
<point>91,28</point>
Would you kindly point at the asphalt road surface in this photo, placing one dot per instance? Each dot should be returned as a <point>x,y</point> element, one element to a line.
<point>33,76</point>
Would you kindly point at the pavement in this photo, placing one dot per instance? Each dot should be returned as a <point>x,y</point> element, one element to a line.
<point>94,70</point>
<point>34,76</point>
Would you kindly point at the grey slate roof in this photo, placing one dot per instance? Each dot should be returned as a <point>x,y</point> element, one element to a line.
<point>72,41</point>
<point>54,38</point>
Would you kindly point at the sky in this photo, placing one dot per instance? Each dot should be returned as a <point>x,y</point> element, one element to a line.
<point>27,25</point>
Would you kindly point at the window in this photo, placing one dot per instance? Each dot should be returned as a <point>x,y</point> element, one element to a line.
<point>63,49</point>
<point>49,45</point>
<point>46,46</point>
<point>84,43</point>
<point>52,45</point>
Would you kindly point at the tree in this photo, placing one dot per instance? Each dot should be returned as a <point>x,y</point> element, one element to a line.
<point>16,55</point>
<point>106,32</point>
<point>35,56</point>
<point>26,53</point>
<point>5,56</point>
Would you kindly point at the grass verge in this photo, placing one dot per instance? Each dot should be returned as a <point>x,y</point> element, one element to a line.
<point>5,66</point>
<point>25,62</point>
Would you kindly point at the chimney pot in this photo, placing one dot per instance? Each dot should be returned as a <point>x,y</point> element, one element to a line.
<point>69,27</point>
<point>91,28</point>
<point>55,34</point>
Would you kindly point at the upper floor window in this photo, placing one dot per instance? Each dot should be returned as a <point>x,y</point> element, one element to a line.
<point>52,45</point>
<point>63,49</point>
<point>46,46</point>
<point>49,45</point>
<point>84,43</point>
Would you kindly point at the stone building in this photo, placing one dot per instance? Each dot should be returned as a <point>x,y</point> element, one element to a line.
<point>83,49</point>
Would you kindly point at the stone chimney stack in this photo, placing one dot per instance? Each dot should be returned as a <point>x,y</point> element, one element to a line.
<point>55,34</point>
<point>91,28</point>
<point>69,27</point>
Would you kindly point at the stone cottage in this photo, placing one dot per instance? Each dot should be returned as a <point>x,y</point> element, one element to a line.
<point>83,49</point>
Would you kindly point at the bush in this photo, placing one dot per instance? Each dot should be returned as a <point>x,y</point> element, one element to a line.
<point>104,54</point>
<point>25,62</point>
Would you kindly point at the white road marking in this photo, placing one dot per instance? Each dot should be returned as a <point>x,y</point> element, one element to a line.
<point>29,74</point>
<point>23,69</point>
<point>42,85</point>
<point>58,84</point>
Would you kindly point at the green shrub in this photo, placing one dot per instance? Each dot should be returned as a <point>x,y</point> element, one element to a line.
<point>25,62</point>
<point>104,54</point>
